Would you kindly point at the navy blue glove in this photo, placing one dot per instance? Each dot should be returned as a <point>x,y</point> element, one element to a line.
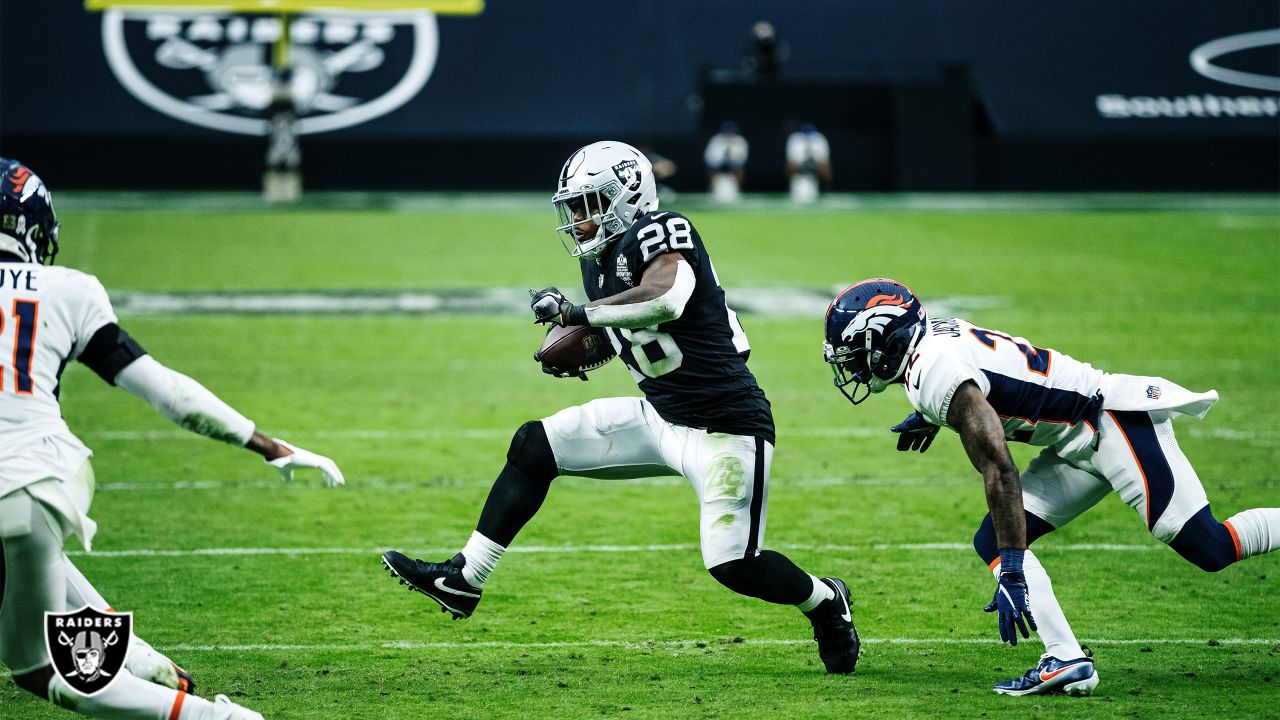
<point>915,433</point>
<point>1011,598</point>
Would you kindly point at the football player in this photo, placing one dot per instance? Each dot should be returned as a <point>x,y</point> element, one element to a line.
<point>50,316</point>
<point>1101,433</point>
<point>650,283</point>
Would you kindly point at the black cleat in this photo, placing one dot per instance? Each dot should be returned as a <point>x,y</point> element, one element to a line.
<point>442,582</point>
<point>838,642</point>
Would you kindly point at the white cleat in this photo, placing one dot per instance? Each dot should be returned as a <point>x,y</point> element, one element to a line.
<point>224,709</point>
<point>147,663</point>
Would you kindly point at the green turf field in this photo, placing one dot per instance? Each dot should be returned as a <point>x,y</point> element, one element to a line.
<point>273,594</point>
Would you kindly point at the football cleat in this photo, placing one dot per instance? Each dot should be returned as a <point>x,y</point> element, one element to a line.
<point>224,709</point>
<point>838,642</point>
<point>147,663</point>
<point>442,582</point>
<point>1051,675</point>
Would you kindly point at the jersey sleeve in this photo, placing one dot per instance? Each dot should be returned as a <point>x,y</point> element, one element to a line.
<point>93,313</point>
<point>934,381</point>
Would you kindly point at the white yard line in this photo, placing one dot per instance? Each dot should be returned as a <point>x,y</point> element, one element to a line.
<point>690,644</point>
<point>577,549</point>
<point>1216,433</point>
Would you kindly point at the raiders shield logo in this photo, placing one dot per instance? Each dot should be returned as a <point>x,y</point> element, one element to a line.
<point>628,173</point>
<point>88,647</point>
<point>214,69</point>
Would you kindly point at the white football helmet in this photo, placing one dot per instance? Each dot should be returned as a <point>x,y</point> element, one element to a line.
<point>608,183</point>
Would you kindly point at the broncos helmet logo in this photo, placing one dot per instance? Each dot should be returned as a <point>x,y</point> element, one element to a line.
<point>876,317</point>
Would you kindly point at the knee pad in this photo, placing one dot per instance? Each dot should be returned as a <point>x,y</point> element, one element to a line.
<point>36,682</point>
<point>984,540</point>
<point>530,452</point>
<point>1205,542</point>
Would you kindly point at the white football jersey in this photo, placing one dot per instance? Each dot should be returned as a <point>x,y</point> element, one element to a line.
<point>1040,394</point>
<point>47,316</point>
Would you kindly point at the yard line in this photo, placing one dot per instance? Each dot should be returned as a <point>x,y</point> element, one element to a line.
<point>1216,433</point>
<point>576,549</point>
<point>358,483</point>
<point>687,643</point>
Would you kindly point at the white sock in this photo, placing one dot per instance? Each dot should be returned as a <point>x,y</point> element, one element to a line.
<point>482,556</point>
<point>821,591</point>
<point>1051,622</point>
<point>130,698</point>
<point>1256,531</point>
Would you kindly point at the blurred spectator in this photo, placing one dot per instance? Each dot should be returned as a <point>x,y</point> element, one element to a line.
<point>767,54</point>
<point>663,168</point>
<point>808,162</point>
<point>726,158</point>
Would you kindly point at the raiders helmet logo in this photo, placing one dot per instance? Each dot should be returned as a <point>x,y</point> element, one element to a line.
<point>88,647</point>
<point>214,69</point>
<point>628,172</point>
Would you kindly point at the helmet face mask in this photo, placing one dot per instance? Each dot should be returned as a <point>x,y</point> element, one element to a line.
<point>872,329</point>
<point>28,225</point>
<point>603,188</point>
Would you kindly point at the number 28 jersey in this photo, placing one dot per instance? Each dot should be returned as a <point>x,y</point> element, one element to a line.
<point>693,369</point>
<point>1039,394</point>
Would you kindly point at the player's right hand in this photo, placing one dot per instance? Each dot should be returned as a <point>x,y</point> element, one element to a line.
<point>300,458</point>
<point>915,433</point>
<point>1011,601</point>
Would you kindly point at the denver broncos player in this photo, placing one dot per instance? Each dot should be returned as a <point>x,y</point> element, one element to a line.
<point>1101,433</point>
<point>650,282</point>
<point>50,316</point>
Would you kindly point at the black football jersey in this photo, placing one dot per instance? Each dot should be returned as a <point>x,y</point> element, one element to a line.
<point>693,369</point>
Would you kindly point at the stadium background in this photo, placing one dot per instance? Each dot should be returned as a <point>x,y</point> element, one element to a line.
<point>380,321</point>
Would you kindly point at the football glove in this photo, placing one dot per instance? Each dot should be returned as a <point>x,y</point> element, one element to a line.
<point>306,459</point>
<point>557,372</point>
<point>550,305</point>
<point>1011,600</point>
<point>915,433</point>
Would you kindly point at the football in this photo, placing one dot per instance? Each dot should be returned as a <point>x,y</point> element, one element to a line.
<point>574,349</point>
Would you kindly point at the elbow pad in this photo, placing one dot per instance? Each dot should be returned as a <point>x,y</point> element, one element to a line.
<point>184,401</point>
<point>664,308</point>
<point>109,351</point>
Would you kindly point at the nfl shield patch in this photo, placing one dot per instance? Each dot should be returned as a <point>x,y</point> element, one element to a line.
<point>1153,392</point>
<point>88,647</point>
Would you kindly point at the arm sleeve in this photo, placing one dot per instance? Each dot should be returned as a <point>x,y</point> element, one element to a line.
<point>109,351</point>
<point>664,308</point>
<point>184,401</point>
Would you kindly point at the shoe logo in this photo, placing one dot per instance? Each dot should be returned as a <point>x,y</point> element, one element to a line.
<point>440,585</point>
<point>845,613</point>
<point>1046,676</point>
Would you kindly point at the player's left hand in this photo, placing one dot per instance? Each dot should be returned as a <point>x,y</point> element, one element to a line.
<point>299,458</point>
<point>1011,601</point>
<point>557,372</point>
<point>915,433</point>
<point>549,305</point>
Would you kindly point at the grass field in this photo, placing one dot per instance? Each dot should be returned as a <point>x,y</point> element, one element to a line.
<point>273,593</point>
